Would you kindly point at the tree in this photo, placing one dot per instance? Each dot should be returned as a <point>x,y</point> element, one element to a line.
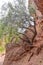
<point>19,19</point>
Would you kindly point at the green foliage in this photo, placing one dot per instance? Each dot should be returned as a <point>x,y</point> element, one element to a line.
<point>17,17</point>
<point>1,49</point>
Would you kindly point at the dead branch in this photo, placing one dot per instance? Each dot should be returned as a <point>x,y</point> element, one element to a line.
<point>35,32</point>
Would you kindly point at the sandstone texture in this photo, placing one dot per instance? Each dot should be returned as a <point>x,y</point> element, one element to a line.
<point>39,4</point>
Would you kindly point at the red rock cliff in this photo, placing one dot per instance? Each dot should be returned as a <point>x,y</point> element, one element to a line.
<point>39,4</point>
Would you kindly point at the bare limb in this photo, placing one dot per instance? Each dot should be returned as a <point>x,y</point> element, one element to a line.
<point>35,32</point>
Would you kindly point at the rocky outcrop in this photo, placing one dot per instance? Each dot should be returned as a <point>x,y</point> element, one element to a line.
<point>39,4</point>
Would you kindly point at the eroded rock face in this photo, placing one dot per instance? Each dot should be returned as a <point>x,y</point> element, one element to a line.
<point>15,52</point>
<point>39,4</point>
